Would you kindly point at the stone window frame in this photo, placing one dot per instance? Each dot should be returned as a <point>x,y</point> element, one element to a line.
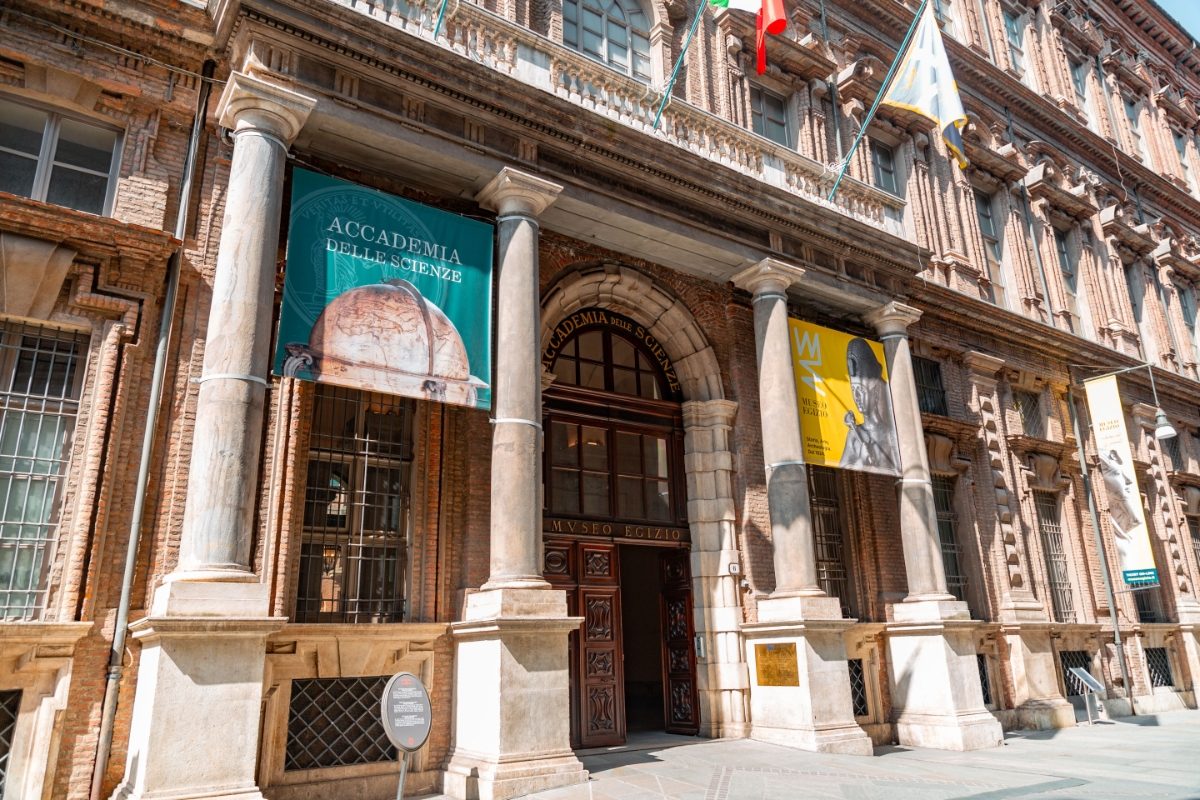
<point>55,116</point>
<point>1134,110</point>
<point>996,272</point>
<point>1018,21</point>
<point>1188,174</point>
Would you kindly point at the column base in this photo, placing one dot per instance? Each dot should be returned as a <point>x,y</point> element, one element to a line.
<point>512,696</point>
<point>799,682</point>
<point>936,695</point>
<point>194,732</point>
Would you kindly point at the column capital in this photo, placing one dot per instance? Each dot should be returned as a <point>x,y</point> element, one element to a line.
<point>250,103</point>
<point>983,364</point>
<point>768,275</point>
<point>516,192</point>
<point>709,413</point>
<point>892,318</point>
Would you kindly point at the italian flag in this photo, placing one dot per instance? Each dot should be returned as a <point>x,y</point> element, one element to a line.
<point>772,19</point>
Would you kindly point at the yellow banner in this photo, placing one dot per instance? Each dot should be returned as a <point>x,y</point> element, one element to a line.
<point>1115,458</point>
<point>845,403</point>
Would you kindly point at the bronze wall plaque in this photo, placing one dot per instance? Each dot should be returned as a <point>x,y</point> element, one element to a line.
<point>776,664</point>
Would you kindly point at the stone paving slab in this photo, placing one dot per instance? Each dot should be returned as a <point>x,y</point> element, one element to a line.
<point>1124,759</point>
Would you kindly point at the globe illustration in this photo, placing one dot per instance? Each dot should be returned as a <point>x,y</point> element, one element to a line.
<point>387,337</point>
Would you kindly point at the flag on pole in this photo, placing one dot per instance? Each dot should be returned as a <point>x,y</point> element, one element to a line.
<point>772,19</point>
<point>925,85</point>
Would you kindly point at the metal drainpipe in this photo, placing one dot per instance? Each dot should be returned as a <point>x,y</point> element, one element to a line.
<point>116,665</point>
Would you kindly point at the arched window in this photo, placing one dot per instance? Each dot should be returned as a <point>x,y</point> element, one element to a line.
<point>614,32</point>
<point>607,361</point>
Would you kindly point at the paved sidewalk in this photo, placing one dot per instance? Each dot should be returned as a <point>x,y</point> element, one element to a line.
<point>1142,757</point>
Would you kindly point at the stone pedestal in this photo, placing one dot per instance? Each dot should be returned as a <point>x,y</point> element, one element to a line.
<point>512,692</point>
<point>194,732</point>
<point>936,697</point>
<point>815,712</point>
<point>1036,693</point>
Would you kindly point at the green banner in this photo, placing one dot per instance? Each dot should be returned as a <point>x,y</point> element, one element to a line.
<point>385,295</point>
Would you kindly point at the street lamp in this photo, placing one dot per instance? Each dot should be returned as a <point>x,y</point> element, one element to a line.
<point>1162,430</point>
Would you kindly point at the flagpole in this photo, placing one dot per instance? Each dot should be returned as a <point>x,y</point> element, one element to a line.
<point>679,63</point>
<point>887,80</point>
<point>441,16</point>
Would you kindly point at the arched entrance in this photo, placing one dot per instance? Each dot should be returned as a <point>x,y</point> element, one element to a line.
<point>616,533</point>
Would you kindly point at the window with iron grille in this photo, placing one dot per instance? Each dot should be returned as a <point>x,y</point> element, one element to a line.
<point>1029,406</point>
<point>1193,523</point>
<point>40,378</point>
<point>1074,658</point>
<point>943,502</point>
<point>334,722</point>
<point>10,706</point>
<point>985,681</point>
<point>1158,663</point>
<point>1149,605</point>
<point>931,392</point>
<point>828,533</point>
<point>356,509</point>
<point>858,687</point>
<point>1058,573</point>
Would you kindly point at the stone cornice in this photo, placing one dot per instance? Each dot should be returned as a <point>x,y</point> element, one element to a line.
<point>86,233</point>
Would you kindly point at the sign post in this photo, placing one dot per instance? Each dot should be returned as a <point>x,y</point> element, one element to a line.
<point>407,718</point>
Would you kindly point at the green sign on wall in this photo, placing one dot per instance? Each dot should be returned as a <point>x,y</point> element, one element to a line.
<point>385,295</point>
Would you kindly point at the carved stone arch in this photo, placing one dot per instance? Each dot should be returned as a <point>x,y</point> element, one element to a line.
<point>708,462</point>
<point>627,291</point>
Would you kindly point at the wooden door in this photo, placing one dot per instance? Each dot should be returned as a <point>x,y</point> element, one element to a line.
<point>590,574</point>
<point>681,703</point>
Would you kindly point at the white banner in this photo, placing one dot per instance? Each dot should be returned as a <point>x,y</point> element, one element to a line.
<point>1125,512</point>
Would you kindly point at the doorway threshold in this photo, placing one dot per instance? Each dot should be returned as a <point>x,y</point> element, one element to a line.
<point>643,740</point>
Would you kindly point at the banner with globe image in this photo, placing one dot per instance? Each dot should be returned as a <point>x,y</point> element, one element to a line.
<point>386,295</point>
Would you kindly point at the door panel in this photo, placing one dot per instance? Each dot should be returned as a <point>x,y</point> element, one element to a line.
<point>602,683</point>
<point>681,711</point>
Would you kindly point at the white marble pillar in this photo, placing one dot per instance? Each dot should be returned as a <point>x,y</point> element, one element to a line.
<point>194,731</point>
<point>918,515</point>
<point>798,623</point>
<point>511,672</point>
<point>936,696</point>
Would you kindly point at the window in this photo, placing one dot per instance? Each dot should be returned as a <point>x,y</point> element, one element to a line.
<point>1068,266</point>
<point>1057,571</point>
<point>883,163</point>
<point>992,247</point>
<point>1181,149</point>
<point>40,378</point>
<point>1029,406</point>
<point>1014,29</point>
<point>985,681</point>
<point>587,462</point>
<point>1173,451</point>
<point>56,159</point>
<point>858,687</point>
<point>612,32</point>
<point>1187,307</point>
<point>1193,523</point>
<point>333,722</point>
<point>931,394</point>
<point>10,707</point>
<point>606,361</point>
<point>1079,79</point>
<point>1149,606</point>
<point>1133,113</point>
<point>944,12</point>
<point>768,113</point>
<point>943,502</point>
<point>828,534</point>
<point>356,522</point>
<point>1158,664</point>
<point>1074,658</point>
<point>1134,283</point>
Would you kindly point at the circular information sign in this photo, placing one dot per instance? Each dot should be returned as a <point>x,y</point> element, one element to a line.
<point>407,715</point>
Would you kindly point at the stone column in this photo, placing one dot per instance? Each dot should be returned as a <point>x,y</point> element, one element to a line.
<point>918,515</point>
<point>936,696</point>
<point>799,622</point>
<point>199,686</point>
<point>511,672</point>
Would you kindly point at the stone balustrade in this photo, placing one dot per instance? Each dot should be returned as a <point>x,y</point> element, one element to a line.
<point>501,45</point>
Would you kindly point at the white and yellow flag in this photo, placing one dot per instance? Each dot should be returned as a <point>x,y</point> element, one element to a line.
<point>925,85</point>
<point>1125,512</point>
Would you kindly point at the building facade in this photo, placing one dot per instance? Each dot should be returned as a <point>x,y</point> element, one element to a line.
<point>208,571</point>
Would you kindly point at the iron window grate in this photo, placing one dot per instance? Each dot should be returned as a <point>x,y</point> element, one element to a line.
<point>1173,451</point>
<point>10,706</point>
<point>828,535</point>
<point>334,722</point>
<point>931,392</point>
<point>1149,606</point>
<point>858,687</point>
<point>1074,658</point>
<point>40,381</point>
<point>985,681</point>
<point>1029,406</point>
<point>952,556</point>
<point>1158,662</point>
<point>1058,571</point>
